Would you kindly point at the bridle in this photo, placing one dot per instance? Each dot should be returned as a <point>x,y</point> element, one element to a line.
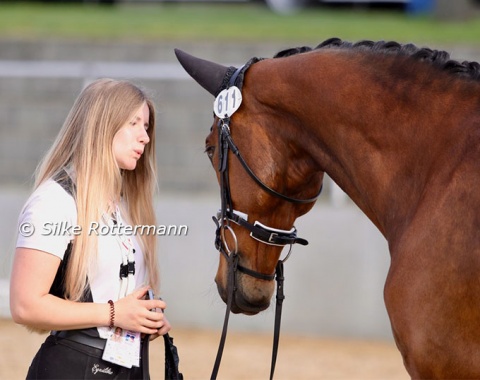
<point>265,234</point>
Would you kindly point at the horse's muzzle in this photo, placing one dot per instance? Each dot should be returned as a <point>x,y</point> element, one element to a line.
<point>248,298</point>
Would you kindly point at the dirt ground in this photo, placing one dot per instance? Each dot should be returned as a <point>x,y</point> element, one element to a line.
<point>246,356</point>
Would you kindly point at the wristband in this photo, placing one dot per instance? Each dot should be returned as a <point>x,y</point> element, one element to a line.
<point>112,313</point>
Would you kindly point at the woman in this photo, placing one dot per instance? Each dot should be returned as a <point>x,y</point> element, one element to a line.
<point>78,271</point>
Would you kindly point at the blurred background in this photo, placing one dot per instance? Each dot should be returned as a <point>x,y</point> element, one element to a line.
<point>49,50</point>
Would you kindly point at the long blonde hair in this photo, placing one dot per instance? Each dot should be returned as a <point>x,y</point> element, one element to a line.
<point>85,144</point>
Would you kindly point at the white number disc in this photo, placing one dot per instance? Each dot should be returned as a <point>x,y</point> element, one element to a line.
<point>227,102</point>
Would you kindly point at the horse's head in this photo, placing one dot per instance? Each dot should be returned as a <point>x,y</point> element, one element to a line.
<point>267,179</point>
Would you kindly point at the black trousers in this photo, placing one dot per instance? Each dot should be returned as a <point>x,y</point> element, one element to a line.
<point>60,358</point>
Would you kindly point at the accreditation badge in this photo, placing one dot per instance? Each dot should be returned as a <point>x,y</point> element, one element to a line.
<point>123,348</point>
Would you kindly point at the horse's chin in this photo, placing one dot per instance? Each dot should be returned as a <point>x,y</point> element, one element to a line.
<point>241,304</point>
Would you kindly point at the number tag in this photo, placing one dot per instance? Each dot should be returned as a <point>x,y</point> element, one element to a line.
<point>227,102</point>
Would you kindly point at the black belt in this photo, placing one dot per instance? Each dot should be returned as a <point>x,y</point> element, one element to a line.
<point>79,337</point>
<point>96,342</point>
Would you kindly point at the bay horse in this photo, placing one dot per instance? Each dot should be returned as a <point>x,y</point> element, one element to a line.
<point>397,127</point>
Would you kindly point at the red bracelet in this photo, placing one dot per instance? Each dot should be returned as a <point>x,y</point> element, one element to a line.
<point>112,313</point>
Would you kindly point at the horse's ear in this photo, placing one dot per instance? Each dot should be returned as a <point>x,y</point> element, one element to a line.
<point>208,74</point>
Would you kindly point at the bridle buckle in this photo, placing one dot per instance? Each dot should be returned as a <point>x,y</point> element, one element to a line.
<point>272,237</point>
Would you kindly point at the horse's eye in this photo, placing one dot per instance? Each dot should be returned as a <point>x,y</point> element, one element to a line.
<point>210,150</point>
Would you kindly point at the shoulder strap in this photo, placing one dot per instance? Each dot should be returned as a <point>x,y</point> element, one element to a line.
<point>64,180</point>
<point>58,285</point>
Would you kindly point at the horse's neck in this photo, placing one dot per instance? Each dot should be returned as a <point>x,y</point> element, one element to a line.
<point>379,139</point>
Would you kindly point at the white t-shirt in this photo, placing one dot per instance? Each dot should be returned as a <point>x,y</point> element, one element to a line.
<point>52,213</point>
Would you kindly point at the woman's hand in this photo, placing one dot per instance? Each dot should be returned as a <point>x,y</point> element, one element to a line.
<point>135,313</point>
<point>165,329</point>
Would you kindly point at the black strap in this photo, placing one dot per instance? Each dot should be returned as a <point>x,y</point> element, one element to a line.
<point>172,360</point>
<point>268,189</point>
<point>64,180</point>
<point>230,294</point>
<point>145,358</point>
<point>268,235</point>
<point>261,276</point>
<point>278,315</point>
<point>58,286</point>
<point>83,336</point>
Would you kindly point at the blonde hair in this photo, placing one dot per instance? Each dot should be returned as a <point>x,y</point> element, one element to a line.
<point>85,144</point>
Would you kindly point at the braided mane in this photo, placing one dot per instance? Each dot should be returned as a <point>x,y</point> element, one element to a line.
<point>438,58</point>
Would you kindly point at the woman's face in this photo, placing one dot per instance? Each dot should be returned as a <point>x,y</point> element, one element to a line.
<point>130,140</point>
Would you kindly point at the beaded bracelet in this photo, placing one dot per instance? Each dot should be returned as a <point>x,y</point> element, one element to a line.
<point>112,313</point>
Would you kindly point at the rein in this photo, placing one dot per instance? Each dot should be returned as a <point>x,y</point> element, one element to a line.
<point>258,231</point>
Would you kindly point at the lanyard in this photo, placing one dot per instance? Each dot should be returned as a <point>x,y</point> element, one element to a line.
<point>127,267</point>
